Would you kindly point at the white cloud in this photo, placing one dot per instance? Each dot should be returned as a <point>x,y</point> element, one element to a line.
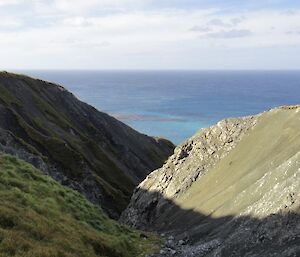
<point>77,21</point>
<point>200,28</point>
<point>10,2</point>
<point>229,34</point>
<point>9,23</point>
<point>295,31</point>
<point>79,6</point>
<point>77,34</point>
<point>218,22</point>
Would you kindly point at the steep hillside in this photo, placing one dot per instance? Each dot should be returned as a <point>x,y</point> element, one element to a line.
<point>74,143</point>
<point>232,190</point>
<point>41,218</point>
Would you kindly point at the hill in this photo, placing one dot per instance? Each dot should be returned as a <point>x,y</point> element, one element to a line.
<point>41,218</point>
<point>231,190</point>
<point>82,148</point>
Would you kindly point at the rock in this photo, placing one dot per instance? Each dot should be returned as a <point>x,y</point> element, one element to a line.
<point>199,153</point>
<point>181,242</point>
<point>71,141</point>
<point>162,251</point>
<point>173,252</point>
<point>171,238</point>
<point>143,236</point>
<point>232,189</point>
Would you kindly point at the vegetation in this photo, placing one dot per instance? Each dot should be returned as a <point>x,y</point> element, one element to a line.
<point>39,217</point>
<point>48,121</point>
<point>72,152</point>
<point>261,169</point>
<point>7,97</point>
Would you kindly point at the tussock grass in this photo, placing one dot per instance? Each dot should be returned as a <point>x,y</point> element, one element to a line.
<point>40,218</point>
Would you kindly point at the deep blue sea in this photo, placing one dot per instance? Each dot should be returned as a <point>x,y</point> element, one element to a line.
<point>175,104</point>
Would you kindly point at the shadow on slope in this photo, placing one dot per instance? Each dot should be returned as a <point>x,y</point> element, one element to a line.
<point>276,234</point>
<point>77,145</point>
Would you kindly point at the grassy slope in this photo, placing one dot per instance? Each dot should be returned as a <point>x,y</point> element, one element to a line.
<point>69,155</point>
<point>51,123</point>
<point>39,217</point>
<point>261,171</point>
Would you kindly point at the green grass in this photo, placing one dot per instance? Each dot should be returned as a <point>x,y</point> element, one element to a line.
<point>7,97</point>
<point>47,133</point>
<point>48,122</point>
<point>266,160</point>
<point>39,217</point>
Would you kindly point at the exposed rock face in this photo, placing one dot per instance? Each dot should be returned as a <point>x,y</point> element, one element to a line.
<point>231,190</point>
<point>190,162</point>
<point>77,145</point>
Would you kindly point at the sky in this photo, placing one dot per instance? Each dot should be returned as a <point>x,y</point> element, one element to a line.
<point>150,34</point>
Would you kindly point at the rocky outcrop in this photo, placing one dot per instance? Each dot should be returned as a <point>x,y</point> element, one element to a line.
<point>190,161</point>
<point>231,190</point>
<point>74,143</point>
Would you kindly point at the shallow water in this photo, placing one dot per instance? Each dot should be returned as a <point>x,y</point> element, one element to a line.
<point>175,104</point>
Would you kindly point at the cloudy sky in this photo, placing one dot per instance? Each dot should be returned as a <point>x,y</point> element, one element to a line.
<point>150,34</point>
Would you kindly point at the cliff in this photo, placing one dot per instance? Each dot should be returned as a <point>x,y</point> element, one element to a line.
<point>80,147</point>
<point>231,190</point>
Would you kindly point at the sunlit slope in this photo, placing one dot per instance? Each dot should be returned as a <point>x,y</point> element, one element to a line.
<point>232,189</point>
<point>40,218</point>
<point>258,176</point>
<point>239,167</point>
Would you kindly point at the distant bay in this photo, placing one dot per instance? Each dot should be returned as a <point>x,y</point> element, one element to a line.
<point>175,104</point>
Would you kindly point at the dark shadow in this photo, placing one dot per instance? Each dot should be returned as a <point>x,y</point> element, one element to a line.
<point>275,235</point>
<point>77,145</point>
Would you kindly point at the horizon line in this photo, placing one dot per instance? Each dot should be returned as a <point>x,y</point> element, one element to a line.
<point>144,70</point>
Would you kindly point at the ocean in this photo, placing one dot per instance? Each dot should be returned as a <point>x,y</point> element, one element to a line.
<point>175,104</point>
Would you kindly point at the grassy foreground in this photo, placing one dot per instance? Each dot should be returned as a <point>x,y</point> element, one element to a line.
<point>40,218</point>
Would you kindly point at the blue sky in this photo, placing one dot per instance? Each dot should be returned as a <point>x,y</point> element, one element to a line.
<point>149,34</point>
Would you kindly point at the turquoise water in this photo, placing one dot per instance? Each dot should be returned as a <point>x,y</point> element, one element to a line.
<point>175,104</point>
